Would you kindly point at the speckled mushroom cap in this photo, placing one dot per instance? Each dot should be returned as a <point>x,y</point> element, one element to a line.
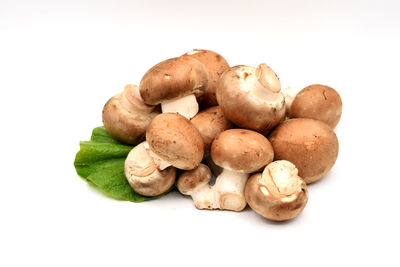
<point>174,139</point>
<point>318,102</point>
<point>278,193</point>
<point>188,181</point>
<point>172,79</point>
<point>210,123</point>
<point>310,145</point>
<point>241,150</point>
<point>215,65</point>
<point>126,118</point>
<point>249,98</point>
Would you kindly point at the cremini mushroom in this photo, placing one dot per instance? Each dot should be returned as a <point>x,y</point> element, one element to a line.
<point>175,83</point>
<point>318,102</point>
<point>143,175</point>
<point>251,98</point>
<point>278,194</point>
<point>126,116</point>
<point>310,145</point>
<point>175,141</point>
<point>215,65</point>
<point>290,93</point>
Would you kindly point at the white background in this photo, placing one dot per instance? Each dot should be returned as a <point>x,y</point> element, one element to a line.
<point>60,61</point>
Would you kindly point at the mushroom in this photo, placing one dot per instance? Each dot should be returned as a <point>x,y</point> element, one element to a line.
<point>143,175</point>
<point>278,194</point>
<point>256,92</point>
<point>175,83</point>
<point>215,65</point>
<point>126,116</point>
<point>289,94</point>
<point>239,152</point>
<point>310,145</point>
<point>175,141</point>
<point>318,102</point>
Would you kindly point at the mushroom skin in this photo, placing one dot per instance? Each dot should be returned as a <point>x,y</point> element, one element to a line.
<point>143,175</point>
<point>277,194</point>
<point>126,116</point>
<point>256,92</point>
<point>310,145</point>
<point>318,102</point>
<point>290,93</point>
<point>216,65</point>
<point>174,139</point>
<point>210,123</point>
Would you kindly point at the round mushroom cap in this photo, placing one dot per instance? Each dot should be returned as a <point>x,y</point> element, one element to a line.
<point>174,139</point>
<point>215,65</point>
<point>190,180</point>
<point>309,144</point>
<point>210,123</point>
<point>318,102</point>
<point>143,175</point>
<point>278,193</point>
<point>251,91</point>
<point>124,121</point>
<point>172,79</point>
<point>241,150</point>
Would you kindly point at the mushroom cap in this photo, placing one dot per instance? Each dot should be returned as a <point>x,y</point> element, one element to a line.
<point>174,139</point>
<point>309,144</point>
<point>210,123</point>
<point>215,65</point>
<point>278,193</point>
<point>249,89</point>
<point>132,93</point>
<point>172,79</point>
<point>318,102</point>
<point>241,150</point>
<point>124,121</point>
<point>143,175</point>
<point>188,181</point>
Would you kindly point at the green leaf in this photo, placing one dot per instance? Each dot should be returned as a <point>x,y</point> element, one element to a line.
<point>101,160</point>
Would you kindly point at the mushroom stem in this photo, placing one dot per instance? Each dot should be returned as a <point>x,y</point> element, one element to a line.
<point>186,106</point>
<point>229,190</point>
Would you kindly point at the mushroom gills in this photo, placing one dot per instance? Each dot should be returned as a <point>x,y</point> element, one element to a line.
<point>186,106</point>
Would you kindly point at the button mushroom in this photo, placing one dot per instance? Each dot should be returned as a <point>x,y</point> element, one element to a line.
<point>310,145</point>
<point>318,102</point>
<point>175,83</point>
<point>126,116</point>
<point>215,65</point>
<point>256,92</point>
<point>290,93</point>
<point>174,140</point>
<point>143,175</point>
<point>278,194</point>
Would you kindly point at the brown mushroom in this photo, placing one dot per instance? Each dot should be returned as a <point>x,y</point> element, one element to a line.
<point>126,116</point>
<point>310,145</point>
<point>215,65</point>
<point>278,194</point>
<point>250,97</point>
<point>175,140</point>
<point>175,83</point>
<point>318,102</point>
<point>143,175</point>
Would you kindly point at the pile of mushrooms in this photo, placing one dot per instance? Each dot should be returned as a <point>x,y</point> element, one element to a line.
<point>194,117</point>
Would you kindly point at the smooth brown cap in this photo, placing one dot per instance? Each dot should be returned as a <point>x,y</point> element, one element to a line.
<point>241,150</point>
<point>318,102</point>
<point>124,122</point>
<point>210,123</point>
<point>309,144</point>
<point>172,79</point>
<point>278,193</point>
<point>215,65</point>
<point>173,138</point>
<point>247,100</point>
<point>189,180</point>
